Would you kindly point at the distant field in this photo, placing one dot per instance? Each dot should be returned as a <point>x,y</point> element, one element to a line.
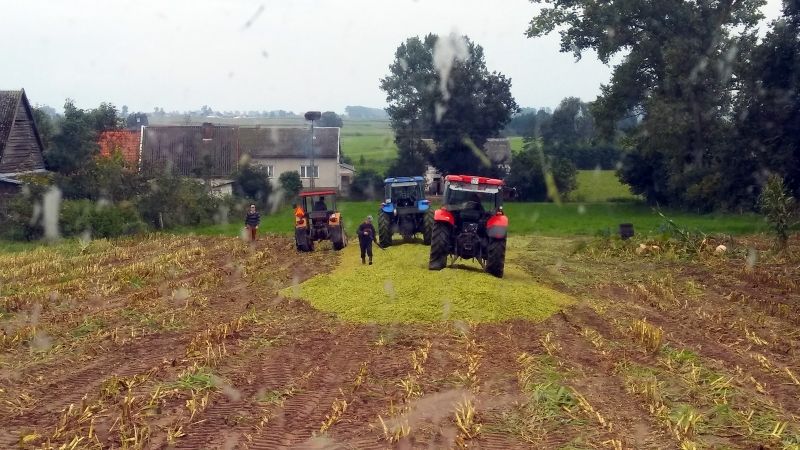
<point>600,186</point>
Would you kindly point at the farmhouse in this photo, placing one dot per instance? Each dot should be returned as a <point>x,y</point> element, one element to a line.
<point>214,152</point>
<point>21,148</point>
<point>498,150</point>
<point>280,150</point>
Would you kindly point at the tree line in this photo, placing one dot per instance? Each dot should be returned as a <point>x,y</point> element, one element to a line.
<point>108,196</point>
<point>715,107</point>
<point>697,116</point>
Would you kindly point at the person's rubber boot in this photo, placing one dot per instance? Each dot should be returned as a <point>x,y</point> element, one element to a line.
<point>370,261</point>
<point>363,261</point>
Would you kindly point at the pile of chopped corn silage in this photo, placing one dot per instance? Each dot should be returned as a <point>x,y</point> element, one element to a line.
<point>398,287</point>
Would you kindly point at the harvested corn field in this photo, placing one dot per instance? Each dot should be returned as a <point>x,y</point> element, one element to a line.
<point>198,343</point>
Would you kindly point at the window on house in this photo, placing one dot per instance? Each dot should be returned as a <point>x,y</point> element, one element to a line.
<point>305,171</point>
<point>268,169</point>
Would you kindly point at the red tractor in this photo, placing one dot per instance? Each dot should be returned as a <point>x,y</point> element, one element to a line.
<point>464,228</point>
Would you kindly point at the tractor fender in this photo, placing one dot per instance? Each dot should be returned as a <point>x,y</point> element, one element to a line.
<point>497,227</point>
<point>335,219</point>
<point>443,215</point>
<point>423,205</point>
<point>388,208</point>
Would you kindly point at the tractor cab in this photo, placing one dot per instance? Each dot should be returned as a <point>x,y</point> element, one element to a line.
<point>474,201</point>
<point>318,219</point>
<point>404,192</point>
<point>470,224</point>
<point>405,210</point>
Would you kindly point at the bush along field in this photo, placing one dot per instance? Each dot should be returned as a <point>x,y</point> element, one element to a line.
<point>674,339</point>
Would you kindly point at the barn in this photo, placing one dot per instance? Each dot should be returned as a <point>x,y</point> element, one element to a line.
<point>21,148</point>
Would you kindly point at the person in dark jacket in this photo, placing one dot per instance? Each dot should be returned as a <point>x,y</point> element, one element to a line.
<point>251,222</point>
<point>366,236</point>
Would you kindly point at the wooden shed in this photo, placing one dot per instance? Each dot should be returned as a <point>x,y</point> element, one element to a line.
<point>21,148</point>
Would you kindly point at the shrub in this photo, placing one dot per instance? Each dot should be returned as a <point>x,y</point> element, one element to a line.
<point>291,183</point>
<point>101,220</point>
<point>779,209</point>
<point>173,201</point>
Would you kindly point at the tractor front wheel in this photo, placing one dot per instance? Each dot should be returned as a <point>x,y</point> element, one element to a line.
<point>440,245</point>
<point>427,230</point>
<point>384,229</point>
<point>496,258</point>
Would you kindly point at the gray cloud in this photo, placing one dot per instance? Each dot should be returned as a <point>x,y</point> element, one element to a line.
<point>315,54</point>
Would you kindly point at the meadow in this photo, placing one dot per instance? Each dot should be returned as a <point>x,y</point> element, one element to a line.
<point>546,219</point>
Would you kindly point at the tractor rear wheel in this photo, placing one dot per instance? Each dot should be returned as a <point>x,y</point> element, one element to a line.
<point>440,246</point>
<point>337,237</point>
<point>427,231</point>
<point>384,229</point>
<point>496,258</point>
<point>302,240</point>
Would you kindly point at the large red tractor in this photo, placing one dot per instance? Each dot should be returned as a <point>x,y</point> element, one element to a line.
<point>464,228</point>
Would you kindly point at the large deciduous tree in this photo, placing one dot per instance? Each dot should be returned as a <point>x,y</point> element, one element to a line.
<point>440,88</point>
<point>769,101</point>
<point>677,75</point>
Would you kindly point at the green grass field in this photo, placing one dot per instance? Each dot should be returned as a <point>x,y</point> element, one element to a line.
<point>536,218</point>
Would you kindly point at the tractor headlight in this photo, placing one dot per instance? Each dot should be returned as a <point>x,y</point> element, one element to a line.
<point>388,200</point>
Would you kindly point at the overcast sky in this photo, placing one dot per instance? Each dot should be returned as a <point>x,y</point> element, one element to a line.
<point>297,55</point>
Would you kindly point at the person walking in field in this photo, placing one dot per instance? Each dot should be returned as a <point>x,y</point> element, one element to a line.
<point>366,236</point>
<point>251,222</point>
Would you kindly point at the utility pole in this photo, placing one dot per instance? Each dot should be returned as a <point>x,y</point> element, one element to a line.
<point>312,116</point>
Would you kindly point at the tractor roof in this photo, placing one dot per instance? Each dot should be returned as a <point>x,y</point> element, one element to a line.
<point>313,193</point>
<point>403,179</point>
<point>474,179</point>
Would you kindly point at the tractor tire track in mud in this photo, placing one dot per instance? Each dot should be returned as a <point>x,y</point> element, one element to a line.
<point>304,413</point>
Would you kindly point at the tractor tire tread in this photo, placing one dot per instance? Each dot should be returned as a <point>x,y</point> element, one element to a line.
<point>496,257</point>
<point>384,229</point>
<point>427,232</point>
<point>440,246</point>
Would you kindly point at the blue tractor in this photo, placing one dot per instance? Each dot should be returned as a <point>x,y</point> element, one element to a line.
<point>405,211</point>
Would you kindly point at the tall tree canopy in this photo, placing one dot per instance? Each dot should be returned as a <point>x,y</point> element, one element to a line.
<point>768,104</point>
<point>677,75</point>
<point>440,88</point>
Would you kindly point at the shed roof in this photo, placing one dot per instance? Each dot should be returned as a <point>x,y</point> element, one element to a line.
<point>266,142</point>
<point>9,101</point>
<point>497,149</point>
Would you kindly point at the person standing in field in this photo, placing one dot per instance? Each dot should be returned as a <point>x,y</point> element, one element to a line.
<point>251,222</point>
<point>366,236</point>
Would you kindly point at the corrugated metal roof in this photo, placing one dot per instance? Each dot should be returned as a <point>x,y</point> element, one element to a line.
<point>184,147</point>
<point>288,142</point>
